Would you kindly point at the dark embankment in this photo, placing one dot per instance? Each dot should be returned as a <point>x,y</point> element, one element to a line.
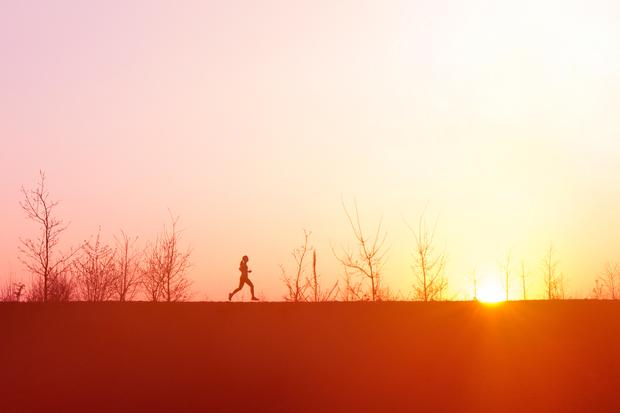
<point>516,357</point>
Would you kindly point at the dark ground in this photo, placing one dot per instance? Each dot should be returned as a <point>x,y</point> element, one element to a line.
<point>380,357</point>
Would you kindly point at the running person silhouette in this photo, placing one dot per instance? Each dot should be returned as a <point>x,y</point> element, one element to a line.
<point>243,267</point>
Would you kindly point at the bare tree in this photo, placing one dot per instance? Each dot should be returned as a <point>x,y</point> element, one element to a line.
<point>151,282</point>
<point>95,271</point>
<point>39,254</point>
<point>506,267</point>
<point>368,261</point>
<point>166,267</point>
<point>598,291</point>
<point>295,284</point>
<point>12,291</point>
<point>128,274</point>
<point>430,283</point>
<point>6,291</point>
<point>475,281</point>
<point>607,285</point>
<point>302,286</point>
<point>352,290</point>
<point>562,286</point>
<point>523,277</point>
<point>317,294</point>
<point>554,286</point>
<point>63,287</point>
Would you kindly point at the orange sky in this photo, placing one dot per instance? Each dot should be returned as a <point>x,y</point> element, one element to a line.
<point>253,121</point>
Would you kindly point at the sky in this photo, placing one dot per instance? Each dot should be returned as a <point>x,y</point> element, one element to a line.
<point>252,121</point>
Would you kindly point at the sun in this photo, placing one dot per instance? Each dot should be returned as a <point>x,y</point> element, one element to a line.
<point>489,291</point>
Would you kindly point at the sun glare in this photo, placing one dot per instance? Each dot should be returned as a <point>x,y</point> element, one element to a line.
<point>490,292</point>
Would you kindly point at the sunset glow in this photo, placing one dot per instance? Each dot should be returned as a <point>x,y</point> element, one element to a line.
<point>253,122</point>
<point>491,292</point>
<point>310,206</point>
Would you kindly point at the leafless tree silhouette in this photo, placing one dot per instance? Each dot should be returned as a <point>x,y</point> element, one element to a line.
<point>523,281</point>
<point>303,286</point>
<point>12,291</point>
<point>430,283</point>
<point>368,261</point>
<point>128,273</point>
<point>506,268</point>
<point>352,290</point>
<point>62,289</point>
<point>598,291</point>
<point>95,271</point>
<point>39,255</point>
<point>295,285</point>
<point>607,285</point>
<point>475,282</point>
<point>316,292</point>
<point>166,267</point>
<point>6,291</point>
<point>554,286</point>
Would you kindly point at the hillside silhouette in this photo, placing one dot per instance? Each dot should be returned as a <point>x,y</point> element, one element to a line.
<point>559,356</point>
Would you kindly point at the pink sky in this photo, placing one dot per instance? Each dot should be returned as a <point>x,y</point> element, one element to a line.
<point>251,120</point>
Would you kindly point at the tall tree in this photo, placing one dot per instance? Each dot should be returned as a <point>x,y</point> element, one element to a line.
<point>128,274</point>
<point>607,285</point>
<point>369,258</point>
<point>317,293</point>
<point>39,254</point>
<point>165,276</point>
<point>430,283</point>
<point>506,268</point>
<point>295,285</point>
<point>554,288</point>
<point>304,285</point>
<point>95,271</point>
<point>475,281</point>
<point>523,277</point>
